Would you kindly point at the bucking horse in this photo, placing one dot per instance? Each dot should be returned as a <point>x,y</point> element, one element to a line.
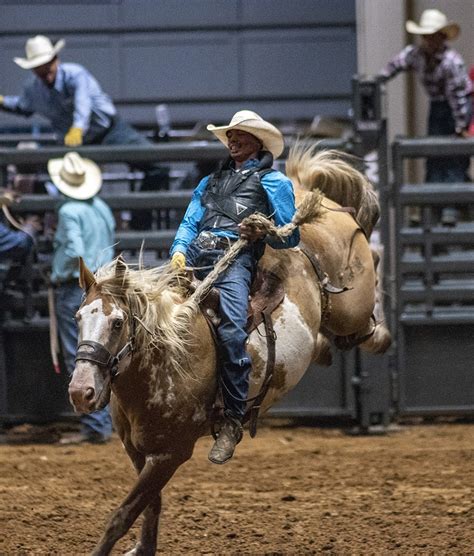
<point>147,346</point>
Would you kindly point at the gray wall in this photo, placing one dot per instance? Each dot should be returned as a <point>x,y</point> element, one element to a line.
<point>287,59</point>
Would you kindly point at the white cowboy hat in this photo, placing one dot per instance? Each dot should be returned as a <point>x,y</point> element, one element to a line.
<point>39,50</point>
<point>433,21</point>
<point>246,120</point>
<point>76,177</point>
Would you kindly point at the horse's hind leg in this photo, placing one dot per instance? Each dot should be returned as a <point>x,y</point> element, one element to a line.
<point>151,480</point>
<point>322,354</point>
<point>374,336</point>
<point>381,339</point>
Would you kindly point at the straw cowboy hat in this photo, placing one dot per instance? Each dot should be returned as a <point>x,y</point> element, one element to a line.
<point>433,21</point>
<point>76,177</point>
<point>246,120</point>
<point>39,50</point>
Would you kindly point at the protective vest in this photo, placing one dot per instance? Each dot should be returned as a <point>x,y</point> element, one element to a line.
<point>231,196</point>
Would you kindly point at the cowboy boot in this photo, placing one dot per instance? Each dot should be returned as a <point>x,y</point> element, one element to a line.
<point>230,434</point>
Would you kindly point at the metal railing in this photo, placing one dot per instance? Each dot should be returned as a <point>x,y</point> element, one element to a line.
<point>434,263</point>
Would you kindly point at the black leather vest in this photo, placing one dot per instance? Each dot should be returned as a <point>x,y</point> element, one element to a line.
<point>231,196</point>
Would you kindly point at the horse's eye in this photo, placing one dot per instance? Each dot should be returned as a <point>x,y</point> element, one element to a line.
<point>118,323</point>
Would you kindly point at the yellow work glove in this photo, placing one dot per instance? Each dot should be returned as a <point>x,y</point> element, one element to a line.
<point>1,100</point>
<point>73,137</point>
<point>178,261</point>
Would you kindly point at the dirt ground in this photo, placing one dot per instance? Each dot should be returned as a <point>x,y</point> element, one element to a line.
<point>291,490</point>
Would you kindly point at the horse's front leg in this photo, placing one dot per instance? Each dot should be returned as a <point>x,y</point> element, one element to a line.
<point>147,544</point>
<point>151,480</point>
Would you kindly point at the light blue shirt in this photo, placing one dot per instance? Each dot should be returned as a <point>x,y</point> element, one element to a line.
<point>85,229</point>
<point>281,197</point>
<point>75,100</point>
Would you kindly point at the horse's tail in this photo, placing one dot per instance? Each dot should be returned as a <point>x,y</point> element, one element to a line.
<point>332,173</point>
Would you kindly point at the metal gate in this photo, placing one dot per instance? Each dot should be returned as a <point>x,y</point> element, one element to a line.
<point>434,285</point>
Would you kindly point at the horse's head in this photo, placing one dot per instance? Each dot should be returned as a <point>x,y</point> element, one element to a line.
<point>105,339</point>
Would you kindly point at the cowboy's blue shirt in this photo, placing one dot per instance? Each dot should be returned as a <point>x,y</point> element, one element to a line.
<point>281,197</point>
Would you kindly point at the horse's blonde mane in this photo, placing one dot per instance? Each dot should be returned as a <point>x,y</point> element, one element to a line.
<point>334,174</point>
<point>155,301</point>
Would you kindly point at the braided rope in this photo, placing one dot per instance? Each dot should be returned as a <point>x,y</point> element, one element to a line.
<point>308,210</point>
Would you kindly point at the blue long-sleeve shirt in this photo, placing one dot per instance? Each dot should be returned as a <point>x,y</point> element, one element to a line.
<point>85,229</point>
<point>281,197</point>
<point>75,100</point>
<point>13,244</point>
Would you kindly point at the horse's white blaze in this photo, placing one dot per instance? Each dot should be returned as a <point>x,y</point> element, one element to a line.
<point>294,346</point>
<point>94,321</point>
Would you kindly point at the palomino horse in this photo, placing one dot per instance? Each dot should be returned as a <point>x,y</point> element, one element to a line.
<point>145,346</point>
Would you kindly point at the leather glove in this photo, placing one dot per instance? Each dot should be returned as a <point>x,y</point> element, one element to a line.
<point>1,100</point>
<point>178,261</point>
<point>73,137</point>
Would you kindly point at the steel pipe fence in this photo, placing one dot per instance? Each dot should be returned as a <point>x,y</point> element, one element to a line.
<point>434,284</point>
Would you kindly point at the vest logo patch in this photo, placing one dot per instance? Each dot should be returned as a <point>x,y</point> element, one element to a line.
<point>240,208</point>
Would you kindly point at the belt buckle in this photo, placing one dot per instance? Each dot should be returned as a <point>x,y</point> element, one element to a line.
<point>207,240</point>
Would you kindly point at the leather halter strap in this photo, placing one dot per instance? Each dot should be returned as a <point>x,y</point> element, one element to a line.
<point>100,355</point>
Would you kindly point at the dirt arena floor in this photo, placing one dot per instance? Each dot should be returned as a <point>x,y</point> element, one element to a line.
<point>291,490</point>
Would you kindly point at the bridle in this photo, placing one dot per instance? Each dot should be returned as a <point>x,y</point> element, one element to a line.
<point>97,353</point>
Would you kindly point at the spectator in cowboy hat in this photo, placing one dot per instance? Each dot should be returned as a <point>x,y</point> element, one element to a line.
<point>79,111</point>
<point>85,229</point>
<point>444,77</point>
<point>69,97</point>
<point>245,184</point>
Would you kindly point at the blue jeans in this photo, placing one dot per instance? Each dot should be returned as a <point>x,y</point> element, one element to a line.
<point>68,298</point>
<point>234,287</point>
<point>453,169</point>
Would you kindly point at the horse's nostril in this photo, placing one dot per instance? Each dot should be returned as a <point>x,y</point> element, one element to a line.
<point>89,394</point>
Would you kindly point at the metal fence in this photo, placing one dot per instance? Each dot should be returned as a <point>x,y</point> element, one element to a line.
<point>434,285</point>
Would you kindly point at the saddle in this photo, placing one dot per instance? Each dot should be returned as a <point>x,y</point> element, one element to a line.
<point>266,293</point>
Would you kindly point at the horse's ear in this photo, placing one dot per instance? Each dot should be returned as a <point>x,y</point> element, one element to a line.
<point>121,268</point>
<point>86,278</point>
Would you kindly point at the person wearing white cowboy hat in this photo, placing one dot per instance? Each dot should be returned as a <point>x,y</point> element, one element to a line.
<point>443,74</point>
<point>433,21</point>
<point>69,96</point>
<point>85,229</point>
<point>246,120</point>
<point>245,184</point>
<point>79,111</point>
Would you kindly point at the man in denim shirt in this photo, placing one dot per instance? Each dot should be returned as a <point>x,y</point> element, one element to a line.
<point>79,111</point>
<point>69,97</point>
<point>245,184</point>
